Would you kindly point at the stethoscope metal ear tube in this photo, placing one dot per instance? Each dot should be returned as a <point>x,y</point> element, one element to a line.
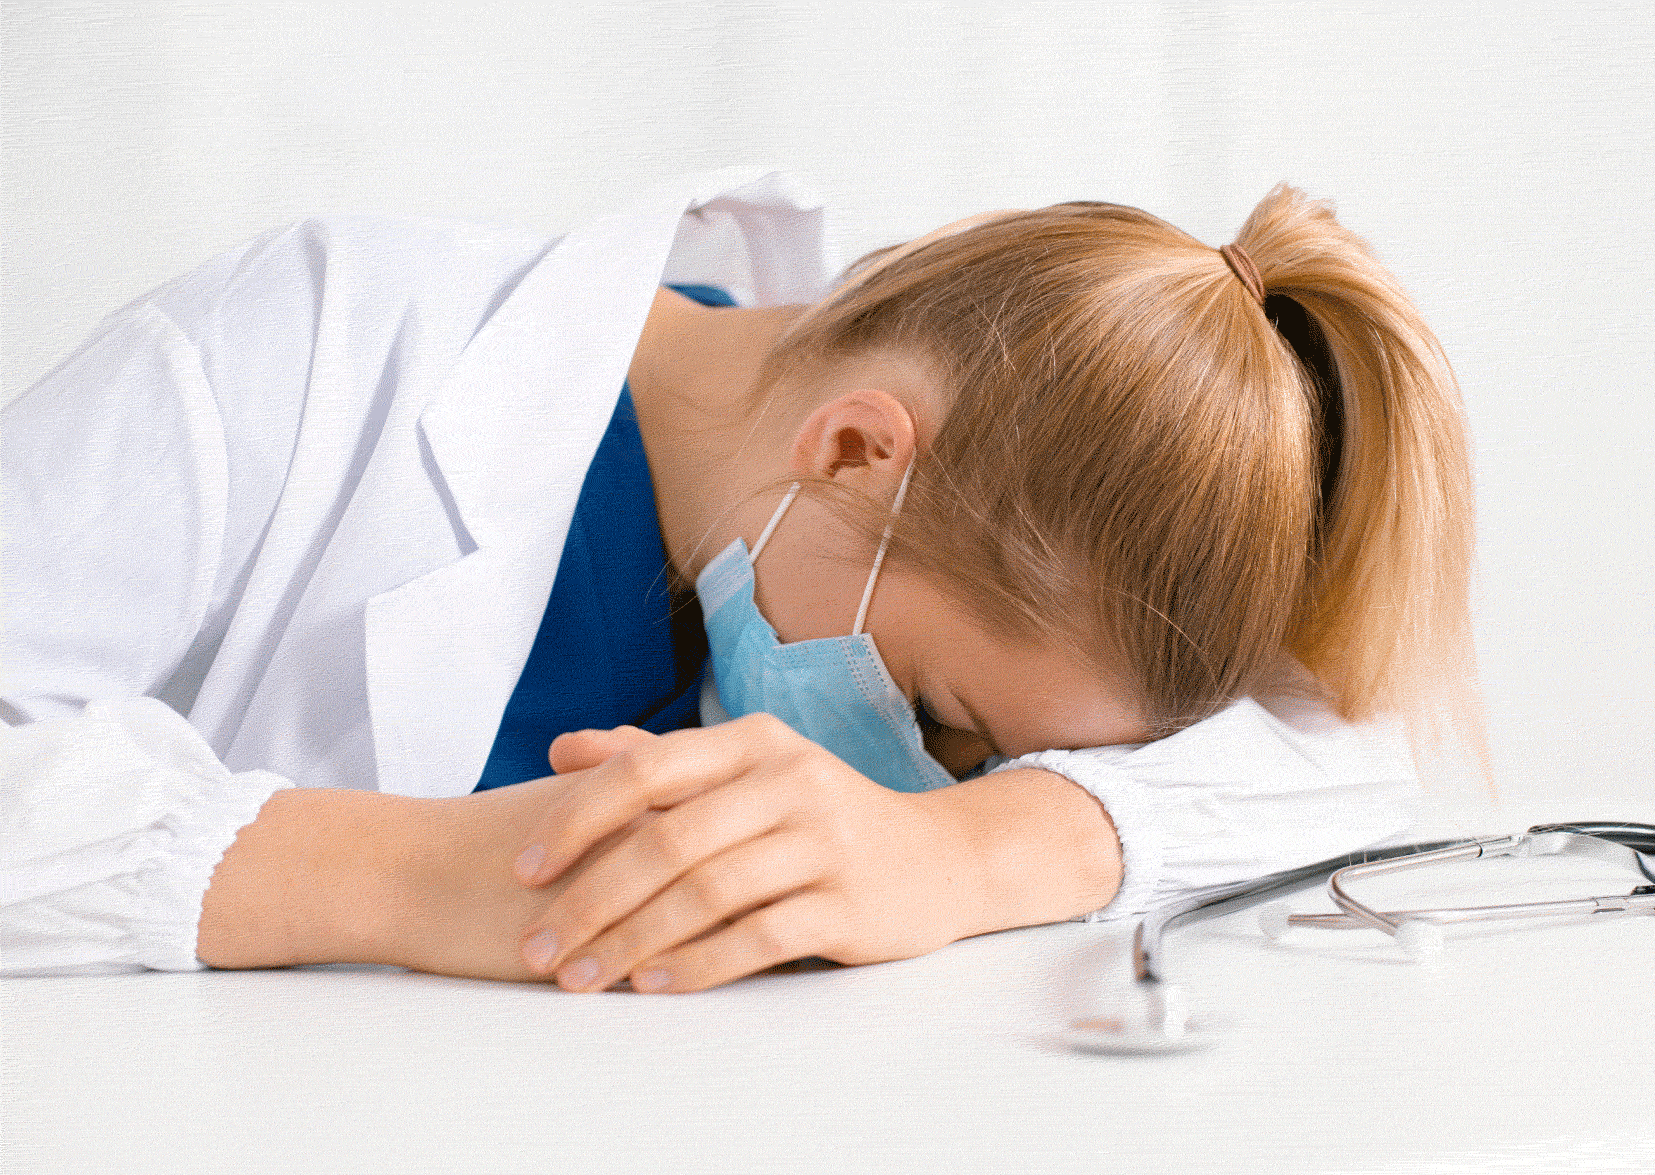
<point>1543,841</point>
<point>1631,904</point>
<point>1160,1021</point>
<point>1227,899</point>
<point>1469,851</point>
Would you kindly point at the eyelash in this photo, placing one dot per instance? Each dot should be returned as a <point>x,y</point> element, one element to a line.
<point>923,716</point>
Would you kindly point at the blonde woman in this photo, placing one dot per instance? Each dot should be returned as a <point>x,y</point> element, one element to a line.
<point>1050,565</point>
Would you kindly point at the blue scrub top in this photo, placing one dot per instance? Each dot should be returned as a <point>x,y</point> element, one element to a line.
<point>615,647</point>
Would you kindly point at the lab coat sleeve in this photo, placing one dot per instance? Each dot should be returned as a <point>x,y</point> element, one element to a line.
<point>114,811</point>
<point>1261,786</point>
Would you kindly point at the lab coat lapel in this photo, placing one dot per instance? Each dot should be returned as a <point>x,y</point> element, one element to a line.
<point>511,434</point>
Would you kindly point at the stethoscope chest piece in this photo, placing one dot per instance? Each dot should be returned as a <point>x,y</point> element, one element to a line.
<point>1155,1021</point>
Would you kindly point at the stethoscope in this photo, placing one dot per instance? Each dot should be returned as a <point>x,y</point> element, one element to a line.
<point>1154,1017</point>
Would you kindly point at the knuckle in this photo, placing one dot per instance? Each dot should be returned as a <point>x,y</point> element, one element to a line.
<point>774,932</point>
<point>705,891</point>
<point>633,772</point>
<point>576,915</point>
<point>668,843</point>
<point>619,945</point>
<point>768,727</point>
<point>643,820</point>
<point>822,774</point>
<point>731,890</point>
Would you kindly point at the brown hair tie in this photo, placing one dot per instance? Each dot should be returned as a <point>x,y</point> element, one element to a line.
<point>1236,258</point>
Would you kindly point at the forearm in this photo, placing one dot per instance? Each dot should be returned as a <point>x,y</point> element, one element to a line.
<point>1045,850</point>
<point>321,876</point>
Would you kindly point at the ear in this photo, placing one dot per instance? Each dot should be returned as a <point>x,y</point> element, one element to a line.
<point>865,437</point>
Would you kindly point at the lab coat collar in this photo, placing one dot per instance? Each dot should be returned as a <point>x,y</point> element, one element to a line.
<point>511,433</point>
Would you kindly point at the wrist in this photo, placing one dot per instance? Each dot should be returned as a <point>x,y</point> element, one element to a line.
<point>1044,849</point>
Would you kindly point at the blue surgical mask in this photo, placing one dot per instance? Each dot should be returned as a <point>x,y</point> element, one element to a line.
<point>835,691</point>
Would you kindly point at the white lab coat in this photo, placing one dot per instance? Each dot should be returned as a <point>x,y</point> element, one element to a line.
<point>311,497</point>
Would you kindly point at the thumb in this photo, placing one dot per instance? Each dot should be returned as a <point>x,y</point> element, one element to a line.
<point>579,750</point>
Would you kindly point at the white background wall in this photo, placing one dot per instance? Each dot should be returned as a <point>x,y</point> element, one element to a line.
<point>1497,156</point>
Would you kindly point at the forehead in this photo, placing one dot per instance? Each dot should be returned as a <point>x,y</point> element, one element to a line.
<point>1027,695</point>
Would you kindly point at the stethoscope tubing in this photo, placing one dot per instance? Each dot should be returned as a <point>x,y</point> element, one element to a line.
<point>1146,939</point>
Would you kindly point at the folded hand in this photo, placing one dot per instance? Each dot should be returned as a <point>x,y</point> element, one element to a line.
<point>764,848</point>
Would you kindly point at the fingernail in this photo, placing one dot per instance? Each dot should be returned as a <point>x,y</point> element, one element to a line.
<point>541,949</point>
<point>579,973</point>
<point>650,980</point>
<point>529,860</point>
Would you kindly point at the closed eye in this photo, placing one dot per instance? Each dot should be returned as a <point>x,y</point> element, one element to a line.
<point>960,751</point>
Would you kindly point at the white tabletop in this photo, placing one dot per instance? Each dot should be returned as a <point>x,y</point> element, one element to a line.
<point>1521,1050</point>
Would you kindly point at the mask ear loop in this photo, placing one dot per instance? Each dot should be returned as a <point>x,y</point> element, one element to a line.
<point>775,521</point>
<point>867,592</point>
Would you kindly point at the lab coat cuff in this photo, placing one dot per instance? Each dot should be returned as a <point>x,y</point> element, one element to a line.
<point>204,805</point>
<point>204,832</point>
<point>120,890</point>
<point>1127,802</point>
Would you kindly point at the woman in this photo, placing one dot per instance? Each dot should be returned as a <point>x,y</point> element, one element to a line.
<point>1055,480</point>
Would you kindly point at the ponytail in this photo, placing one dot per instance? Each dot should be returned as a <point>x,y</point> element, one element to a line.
<point>1383,617</point>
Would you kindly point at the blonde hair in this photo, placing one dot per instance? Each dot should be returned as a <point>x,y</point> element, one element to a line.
<point>1136,465</point>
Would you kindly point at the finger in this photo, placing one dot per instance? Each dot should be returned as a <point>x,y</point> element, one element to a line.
<point>659,773</point>
<point>795,927</point>
<point>580,750</point>
<point>641,865</point>
<point>730,885</point>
